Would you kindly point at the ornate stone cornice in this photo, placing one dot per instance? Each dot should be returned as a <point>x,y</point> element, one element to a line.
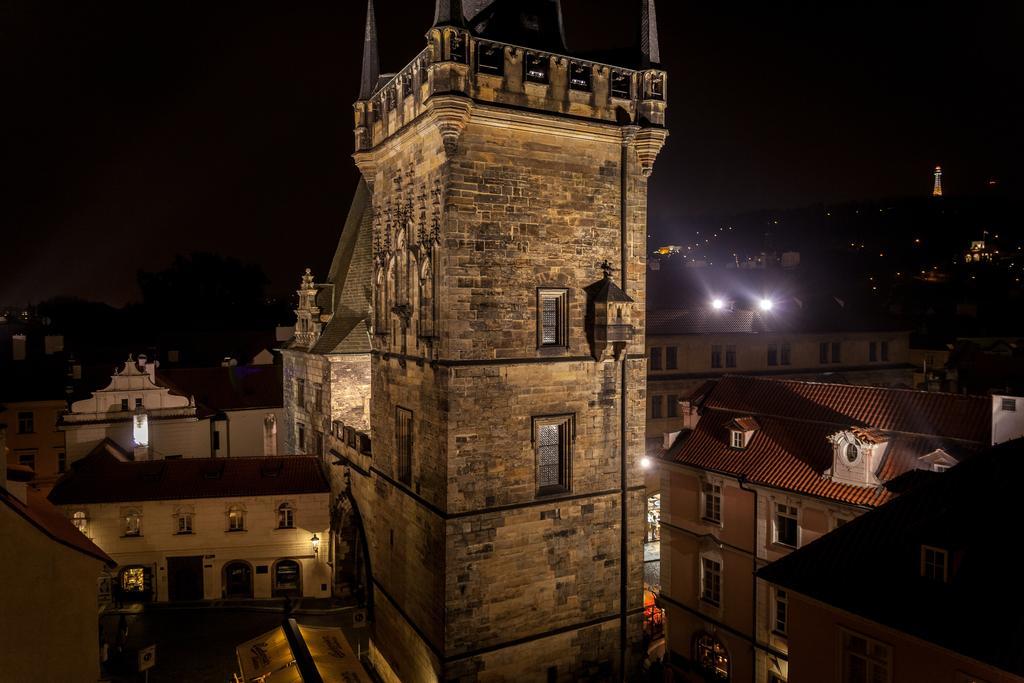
<point>450,113</point>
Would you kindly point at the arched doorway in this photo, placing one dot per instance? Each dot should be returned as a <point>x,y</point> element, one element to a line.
<point>287,579</point>
<point>350,558</point>
<point>237,580</point>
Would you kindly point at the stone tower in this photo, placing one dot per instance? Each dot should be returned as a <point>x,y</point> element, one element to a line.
<point>500,511</point>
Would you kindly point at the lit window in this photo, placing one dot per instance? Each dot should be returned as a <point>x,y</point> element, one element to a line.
<point>236,518</point>
<point>553,443</point>
<point>781,611</point>
<point>552,319</point>
<point>737,439</point>
<point>711,581</point>
<point>403,444</point>
<point>787,525</point>
<point>26,422</point>
<point>1009,405</point>
<point>865,660</point>
<point>81,521</point>
<point>132,522</point>
<point>285,516</point>
<point>710,655</point>
<point>934,564</point>
<point>712,494</point>
<point>184,519</point>
<point>580,76</point>
<point>134,579</point>
<point>537,67</point>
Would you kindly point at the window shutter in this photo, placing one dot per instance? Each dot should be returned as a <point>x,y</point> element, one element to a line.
<point>549,452</point>
<point>549,322</point>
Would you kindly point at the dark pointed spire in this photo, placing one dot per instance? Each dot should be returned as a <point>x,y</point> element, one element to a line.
<point>371,56</point>
<point>449,13</point>
<point>650,53</point>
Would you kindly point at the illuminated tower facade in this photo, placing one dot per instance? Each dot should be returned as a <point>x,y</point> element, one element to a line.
<point>502,503</point>
<point>937,189</point>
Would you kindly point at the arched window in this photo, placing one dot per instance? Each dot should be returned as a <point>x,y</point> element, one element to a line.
<point>236,518</point>
<point>852,452</point>
<point>132,522</point>
<point>81,521</point>
<point>285,516</point>
<point>710,655</point>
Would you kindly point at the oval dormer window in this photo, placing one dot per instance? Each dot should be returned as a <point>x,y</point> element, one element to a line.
<point>852,453</point>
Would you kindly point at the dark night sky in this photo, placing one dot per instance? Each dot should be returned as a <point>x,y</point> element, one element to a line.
<point>132,131</point>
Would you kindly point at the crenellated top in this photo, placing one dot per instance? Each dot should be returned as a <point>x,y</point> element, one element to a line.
<point>456,63</point>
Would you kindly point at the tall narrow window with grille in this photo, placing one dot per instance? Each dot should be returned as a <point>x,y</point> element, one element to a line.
<point>403,444</point>
<point>553,438</point>
<point>552,321</point>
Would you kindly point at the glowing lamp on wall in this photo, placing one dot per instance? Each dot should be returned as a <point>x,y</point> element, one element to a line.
<point>140,428</point>
<point>316,545</point>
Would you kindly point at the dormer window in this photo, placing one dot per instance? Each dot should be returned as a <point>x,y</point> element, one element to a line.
<point>934,563</point>
<point>852,453</point>
<point>741,431</point>
<point>856,455</point>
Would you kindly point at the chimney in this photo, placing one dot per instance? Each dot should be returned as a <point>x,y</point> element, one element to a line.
<point>19,346</point>
<point>1007,418</point>
<point>148,366</point>
<point>688,412</point>
<point>14,482</point>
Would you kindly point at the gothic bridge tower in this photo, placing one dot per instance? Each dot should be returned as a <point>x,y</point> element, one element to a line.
<point>503,503</point>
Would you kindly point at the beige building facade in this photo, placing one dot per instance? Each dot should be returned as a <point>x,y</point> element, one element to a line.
<point>763,467</point>
<point>34,439</point>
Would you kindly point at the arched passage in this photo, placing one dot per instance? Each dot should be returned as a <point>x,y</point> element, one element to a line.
<point>350,557</point>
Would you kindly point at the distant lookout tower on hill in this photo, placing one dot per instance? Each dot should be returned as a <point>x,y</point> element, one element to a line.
<point>937,188</point>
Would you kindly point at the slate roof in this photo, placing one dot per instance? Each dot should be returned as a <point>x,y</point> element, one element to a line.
<point>871,566</point>
<point>41,514</point>
<point>241,387</point>
<point>527,23</point>
<point>790,449</point>
<point>351,274</point>
<point>102,478</point>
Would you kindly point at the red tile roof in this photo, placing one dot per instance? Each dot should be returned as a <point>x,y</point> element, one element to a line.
<point>745,424</point>
<point>791,450</point>
<point>903,410</point>
<point>41,514</point>
<point>101,478</point>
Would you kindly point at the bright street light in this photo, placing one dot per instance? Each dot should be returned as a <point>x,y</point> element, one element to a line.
<point>717,304</point>
<point>766,304</point>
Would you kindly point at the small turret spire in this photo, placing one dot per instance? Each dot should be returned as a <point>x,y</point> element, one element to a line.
<point>371,56</point>
<point>449,13</point>
<point>650,53</point>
